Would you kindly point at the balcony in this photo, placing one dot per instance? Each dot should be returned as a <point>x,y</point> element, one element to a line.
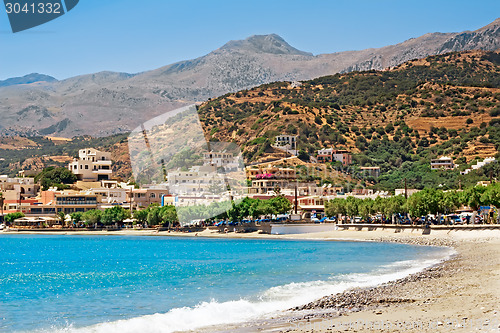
<point>103,171</point>
<point>101,162</point>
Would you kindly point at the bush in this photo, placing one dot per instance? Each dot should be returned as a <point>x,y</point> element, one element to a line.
<point>495,112</point>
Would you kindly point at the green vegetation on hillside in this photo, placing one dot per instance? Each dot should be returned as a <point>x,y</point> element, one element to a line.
<point>397,119</point>
<point>12,159</point>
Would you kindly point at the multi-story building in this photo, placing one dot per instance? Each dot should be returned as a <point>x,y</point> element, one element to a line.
<point>287,143</point>
<point>144,197</point>
<point>443,162</point>
<point>330,155</point>
<point>52,202</point>
<point>198,181</point>
<point>222,160</point>
<point>15,188</point>
<point>267,179</point>
<point>270,172</point>
<point>92,165</point>
<point>111,194</point>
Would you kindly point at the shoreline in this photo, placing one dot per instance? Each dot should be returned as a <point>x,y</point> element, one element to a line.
<point>460,293</point>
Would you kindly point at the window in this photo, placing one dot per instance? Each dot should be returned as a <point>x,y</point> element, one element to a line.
<point>86,167</point>
<point>152,195</point>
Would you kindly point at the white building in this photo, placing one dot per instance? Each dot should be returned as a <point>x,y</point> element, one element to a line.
<point>287,143</point>
<point>13,188</point>
<point>443,162</point>
<point>198,181</point>
<point>221,159</point>
<point>111,195</point>
<point>92,165</point>
<point>409,191</point>
<point>479,165</point>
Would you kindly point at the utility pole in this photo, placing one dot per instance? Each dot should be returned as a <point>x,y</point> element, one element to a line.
<point>295,203</point>
<point>131,195</point>
<point>1,203</point>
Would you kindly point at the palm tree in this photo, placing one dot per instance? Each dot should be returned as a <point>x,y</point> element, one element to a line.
<point>62,217</point>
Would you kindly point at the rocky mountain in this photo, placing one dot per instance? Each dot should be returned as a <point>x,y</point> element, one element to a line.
<point>107,103</point>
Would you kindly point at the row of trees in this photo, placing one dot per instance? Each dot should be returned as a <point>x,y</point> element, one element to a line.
<point>246,208</point>
<point>427,201</point>
<point>109,216</point>
<point>167,215</point>
<point>156,215</point>
<point>352,206</point>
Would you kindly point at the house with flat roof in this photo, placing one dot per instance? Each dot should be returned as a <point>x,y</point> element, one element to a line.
<point>287,143</point>
<point>442,163</point>
<point>370,171</point>
<point>225,160</point>
<point>92,165</point>
<point>327,155</point>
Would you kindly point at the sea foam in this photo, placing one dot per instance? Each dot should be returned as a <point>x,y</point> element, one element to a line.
<point>274,301</point>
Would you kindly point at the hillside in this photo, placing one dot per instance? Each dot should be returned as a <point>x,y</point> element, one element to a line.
<point>36,153</point>
<point>441,105</point>
<point>119,102</point>
<point>396,119</point>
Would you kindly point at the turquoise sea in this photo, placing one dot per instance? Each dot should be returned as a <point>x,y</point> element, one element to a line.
<point>164,284</point>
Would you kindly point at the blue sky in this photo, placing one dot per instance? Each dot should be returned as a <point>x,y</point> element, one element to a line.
<point>137,35</point>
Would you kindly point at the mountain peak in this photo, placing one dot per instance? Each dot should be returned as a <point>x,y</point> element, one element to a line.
<point>27,79</point>
<point>271,43</point>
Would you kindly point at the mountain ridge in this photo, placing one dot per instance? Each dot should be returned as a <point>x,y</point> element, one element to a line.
<point>27,79</point>
<point>119,102</point>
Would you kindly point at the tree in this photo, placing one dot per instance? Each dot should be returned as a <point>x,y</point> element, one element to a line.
<point>62,218</point>
<point>114,215</point>
<point>450,201</point>
<point>491,195</point>
<point>92,216</point>
<point>351,206</point>
<point>471,196</point>
<point>303,156</point>
<point>154,217</point>
<point>76,217</point>
<point>280,204</point>
<point>9,218</point>
<point>335,207</point>
<point>168,215</point>
<point>58,177</point>
<point>141,215</point>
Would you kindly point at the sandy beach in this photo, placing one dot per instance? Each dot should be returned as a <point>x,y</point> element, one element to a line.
<point>460,294</point>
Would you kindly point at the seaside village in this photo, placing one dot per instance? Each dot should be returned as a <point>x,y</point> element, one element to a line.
<point>96,189</point>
